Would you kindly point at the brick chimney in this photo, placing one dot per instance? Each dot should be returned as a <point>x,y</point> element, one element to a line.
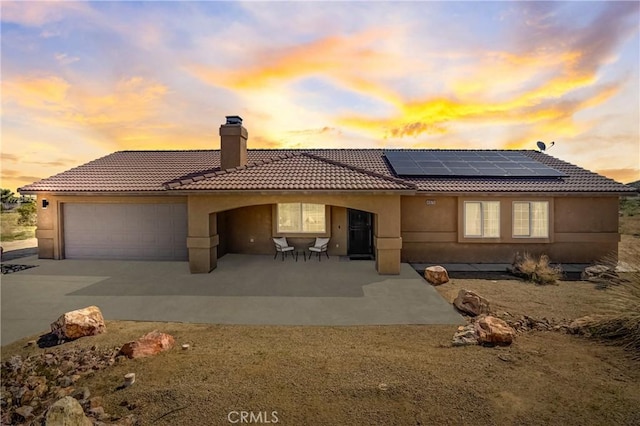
<point>233,143</point>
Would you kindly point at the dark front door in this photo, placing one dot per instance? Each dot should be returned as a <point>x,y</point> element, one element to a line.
<point>360,233</point>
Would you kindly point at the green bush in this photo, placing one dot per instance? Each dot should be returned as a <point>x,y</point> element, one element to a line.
<point>630,206</point>
<point>7,196</point>
<point>27,214</point>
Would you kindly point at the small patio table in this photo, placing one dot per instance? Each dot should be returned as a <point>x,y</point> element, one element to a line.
<point>303,251</point>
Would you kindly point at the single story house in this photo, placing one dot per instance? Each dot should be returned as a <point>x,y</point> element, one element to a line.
<point>392,205</point>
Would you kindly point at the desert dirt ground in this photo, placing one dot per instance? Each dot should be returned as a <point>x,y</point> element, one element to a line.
<point>392,375</point>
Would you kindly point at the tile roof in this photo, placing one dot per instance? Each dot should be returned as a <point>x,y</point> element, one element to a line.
<point>292,171</point>
<point>314,169</point>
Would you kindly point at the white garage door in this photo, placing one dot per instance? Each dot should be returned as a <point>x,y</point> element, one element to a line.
<point>125,231</point>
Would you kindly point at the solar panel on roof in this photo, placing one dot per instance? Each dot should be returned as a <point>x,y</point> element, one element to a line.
<point>467,163</point>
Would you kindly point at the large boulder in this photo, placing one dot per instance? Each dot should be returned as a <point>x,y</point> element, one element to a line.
<point>81,322</point>
<point>436,275</point>
<point>471,303</point>
<point>149,344</point>
<point>494,331</point>
<point>68,412</point>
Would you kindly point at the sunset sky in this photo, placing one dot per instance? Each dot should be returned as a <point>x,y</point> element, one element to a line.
<point>82,79</point>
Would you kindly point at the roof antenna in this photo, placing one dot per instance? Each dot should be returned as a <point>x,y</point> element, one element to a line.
<point>543,147</point>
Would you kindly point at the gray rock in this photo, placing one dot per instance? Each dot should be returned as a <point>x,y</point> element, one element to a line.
<point>65,381</point>
<point>81,394</point>
<point>26,412</point>
<point>465,336</point>
<point>596,273</point>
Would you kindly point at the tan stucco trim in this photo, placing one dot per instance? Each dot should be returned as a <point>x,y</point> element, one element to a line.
<point>203,242</point>
<point>45,233</point>
<point>388,243</point>
<point>434,237</point>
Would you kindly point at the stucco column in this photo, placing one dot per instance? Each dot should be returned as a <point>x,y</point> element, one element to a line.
<point>203,239</point>
<point>388,242</point>
<point>48,232</point>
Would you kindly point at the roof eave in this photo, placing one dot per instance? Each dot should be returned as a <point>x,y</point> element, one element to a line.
<point>183,192</point>
<point>95,193</point>
<point>528,193</point>
<point>289,191</point>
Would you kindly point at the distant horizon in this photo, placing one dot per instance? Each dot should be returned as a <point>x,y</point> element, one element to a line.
<point>81,80</point>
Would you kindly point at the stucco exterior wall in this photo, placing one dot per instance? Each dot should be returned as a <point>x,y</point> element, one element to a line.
<point>339,231</point>
<point>586,214</point>
<point>408,228</point>
<point>249,230</point>
<point>581,230</point>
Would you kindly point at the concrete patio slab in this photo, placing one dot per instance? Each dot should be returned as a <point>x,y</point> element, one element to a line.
<point>244,289</point>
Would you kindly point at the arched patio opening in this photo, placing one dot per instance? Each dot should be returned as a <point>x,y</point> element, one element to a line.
<point>358,225</point>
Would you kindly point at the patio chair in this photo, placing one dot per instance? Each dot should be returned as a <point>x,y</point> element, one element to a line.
<point>321,245</point>
<point>282,247</point>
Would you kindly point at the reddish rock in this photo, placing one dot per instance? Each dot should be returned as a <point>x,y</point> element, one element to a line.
<point>79,323</point>
<point>471,303</point>
<point>97,412</point>
<point>436,275</point>
<point>95,401</point>
<point>494,331</point>
<point>149,344</point>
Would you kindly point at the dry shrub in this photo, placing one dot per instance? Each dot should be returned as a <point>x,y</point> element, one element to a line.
<point>535,268</point>
<point>620,323</point>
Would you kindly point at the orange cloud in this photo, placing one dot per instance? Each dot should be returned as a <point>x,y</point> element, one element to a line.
<point>132,103</point>
<point>500,72</point>
<point>13,179</point>
<point>621,175</point>
<point>336,57</point>
<point>537,105</point>
<point>46,93</point>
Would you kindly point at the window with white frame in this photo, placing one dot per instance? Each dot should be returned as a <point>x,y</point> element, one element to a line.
<point>531,219</point>
<point>301,218</point>
<point>482,219</point>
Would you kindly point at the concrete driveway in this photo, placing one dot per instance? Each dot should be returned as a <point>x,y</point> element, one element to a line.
<point>244,289</point>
